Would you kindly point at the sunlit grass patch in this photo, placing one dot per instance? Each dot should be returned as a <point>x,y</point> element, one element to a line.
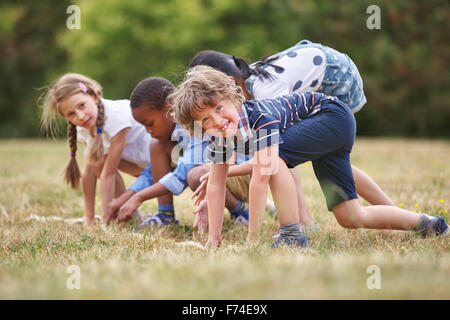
<point>173,262</point>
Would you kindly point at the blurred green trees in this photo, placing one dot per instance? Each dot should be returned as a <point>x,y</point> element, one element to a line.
<point>404,65</point>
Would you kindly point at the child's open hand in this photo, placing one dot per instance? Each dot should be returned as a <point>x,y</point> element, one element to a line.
<point>201,219</point>
<point>200,193</point>
<point>126,211</point>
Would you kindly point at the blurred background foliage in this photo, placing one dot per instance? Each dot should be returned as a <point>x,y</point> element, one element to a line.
<point>404,65</point>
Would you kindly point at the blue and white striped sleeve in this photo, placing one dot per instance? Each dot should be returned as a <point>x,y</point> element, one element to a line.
<point>305,103</point>
<point>266,129</point>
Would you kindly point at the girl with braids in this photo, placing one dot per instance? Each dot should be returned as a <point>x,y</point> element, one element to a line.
<point>304,67</point>
<point>114,140</point>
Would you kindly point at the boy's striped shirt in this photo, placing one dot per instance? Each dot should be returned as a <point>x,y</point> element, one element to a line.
<point>262,121</point>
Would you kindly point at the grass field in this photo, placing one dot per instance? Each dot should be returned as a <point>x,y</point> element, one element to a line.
<point>116,263</point>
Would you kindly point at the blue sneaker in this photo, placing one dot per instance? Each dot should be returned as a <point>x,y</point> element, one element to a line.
<point>296,241</point>
<point>306,230</point>
<point>159,219</point>
<point>291,235</point>
<point>241,216</point>
<point>433,226</point>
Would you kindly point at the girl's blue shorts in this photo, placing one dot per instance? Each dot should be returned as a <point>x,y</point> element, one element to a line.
<point>341,79</point>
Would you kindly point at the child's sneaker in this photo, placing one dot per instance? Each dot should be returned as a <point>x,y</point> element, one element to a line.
<point>159,219</point>
<point>241,216</point>
<point>137,214</point>
<point>430,225</point>
<point>297,241</point>
<point>291,235</point>
<point>306,230</point>
<point>310,229</point>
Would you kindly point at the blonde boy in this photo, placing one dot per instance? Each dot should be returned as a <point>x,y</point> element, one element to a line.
<point>281,133</point>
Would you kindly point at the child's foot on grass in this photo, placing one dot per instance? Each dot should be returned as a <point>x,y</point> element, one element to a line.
<point>291,235</point>
<point>307,230</point>
<point>159,219</point>
<point>432,226</point>
<point>241,216</point>
<point>296,241</point>
<point>311,228</point>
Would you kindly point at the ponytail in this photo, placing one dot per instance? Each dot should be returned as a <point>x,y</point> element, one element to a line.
<point>72,172</point>
<point>261,72</point>
<point>233,66</point>
<point>95,152</point>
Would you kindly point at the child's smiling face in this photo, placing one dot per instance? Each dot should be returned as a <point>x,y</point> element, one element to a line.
<point>156,122</point>
<point>80,109</point>
<point>221,119</point>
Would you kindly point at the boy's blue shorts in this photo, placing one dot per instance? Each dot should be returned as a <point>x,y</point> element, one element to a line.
<point>326,139</point>
<point>144,180</point>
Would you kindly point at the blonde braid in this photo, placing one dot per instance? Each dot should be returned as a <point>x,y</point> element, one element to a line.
<point>96,147</point>
<point>72,172</point>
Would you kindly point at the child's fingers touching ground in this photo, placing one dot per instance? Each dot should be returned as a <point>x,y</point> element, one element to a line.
<point>201,220</point>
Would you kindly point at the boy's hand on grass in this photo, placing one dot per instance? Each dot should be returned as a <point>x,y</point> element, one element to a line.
<point>114,207</point>
<point>201,219</point>
<point>200,193</point>
<point>126,211</point>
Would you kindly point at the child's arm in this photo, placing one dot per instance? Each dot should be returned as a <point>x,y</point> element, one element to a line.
<point>265,165</point>
<point>240,169</point>
<point>107,177</point>
<point>115,205</point>
<point>154,191</point>
<point>89,183</point>
<point>172,183</point>
<point>215,195</point>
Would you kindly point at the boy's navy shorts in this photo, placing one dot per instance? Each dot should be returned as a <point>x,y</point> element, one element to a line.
<point>326,139</point>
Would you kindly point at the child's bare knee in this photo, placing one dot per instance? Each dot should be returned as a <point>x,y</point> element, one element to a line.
<point>194,175</point>
<point>346,223</point>
<point>347,219</point>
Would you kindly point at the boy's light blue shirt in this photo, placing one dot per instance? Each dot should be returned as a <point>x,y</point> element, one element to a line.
<point>176,181</point>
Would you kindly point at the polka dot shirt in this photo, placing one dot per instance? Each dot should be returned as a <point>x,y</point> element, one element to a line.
<point>297,70</point>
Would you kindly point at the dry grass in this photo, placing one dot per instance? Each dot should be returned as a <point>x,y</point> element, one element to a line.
<point>166,263</point>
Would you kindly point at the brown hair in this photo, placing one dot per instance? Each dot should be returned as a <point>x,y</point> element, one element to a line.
<point>202,86</point>
<point>66,86</point>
